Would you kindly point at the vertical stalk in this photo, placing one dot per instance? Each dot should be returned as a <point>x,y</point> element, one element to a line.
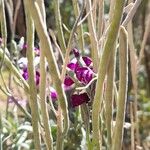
<point>134,68</point>
<point>110,95</point>
<point>1,130</point>
<point>121,103</point>
<point>60,34</point>
<point>49,54</point>
<point>4,36</point>
<point>95,2</point>
<point>79,29</point>
<point>104,61</point>
<point>132,126</point>
<point>59,140</point>
<point>44,110</point>
<point>31,72</point>
<point>100,18</point>
<point>93,38</point>
<point>3,23</point>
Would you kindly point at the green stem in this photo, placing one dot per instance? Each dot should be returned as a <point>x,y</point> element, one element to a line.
<point>110,95</point>
<point>49,54</point>
<point>1,130</point>
<point>44,110</point>
<point>4,36</point>
<point>31,72</point>
<point>121,103</point>
<point>59,27</point>
<point>104,61</point>
<point>100,18</point>
<point>60,139</point>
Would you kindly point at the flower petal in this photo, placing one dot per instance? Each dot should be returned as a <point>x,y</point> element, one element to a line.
<point>68,81</point>
<point>73,64</point>
<point>87,60</point>
<point>84,74</point>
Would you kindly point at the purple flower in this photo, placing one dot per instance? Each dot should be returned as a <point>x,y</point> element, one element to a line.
<point>53,94</point>
<point>26,76</point>
<point>76,52</point>
<point>84,74</point>
<point>78,99</point>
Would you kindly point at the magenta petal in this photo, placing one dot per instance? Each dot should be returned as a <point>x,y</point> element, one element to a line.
<point>25,73</point>
<point>73,64</point>
<point>53,94</point>
<point>87,60</point>
<point>79,73</point>
<point>68,81</point>
<point>78,99</point>
<point>84,74</point>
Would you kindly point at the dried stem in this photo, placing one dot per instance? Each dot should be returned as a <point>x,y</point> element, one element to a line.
<point>44,110</point>
<point>104,61</point>
<point>110,95</point>
<point>60,139</point>
<point>31,72</point>
<point>133,60</point>
<point>123,81</point>
<point>15,15</point>
<point>132,126</point>
<point>100,22</point>
<point>49,54</point>
<point>131,13</point>
<point>4,36</point>
<point>146,33</point>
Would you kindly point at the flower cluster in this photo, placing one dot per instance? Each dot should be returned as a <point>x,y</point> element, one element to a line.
<point>79,72</point>
<point>81,68</point>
